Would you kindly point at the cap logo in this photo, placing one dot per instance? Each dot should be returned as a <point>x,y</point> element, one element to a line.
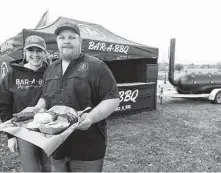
<point>83,66</point>
<point>66,24</point>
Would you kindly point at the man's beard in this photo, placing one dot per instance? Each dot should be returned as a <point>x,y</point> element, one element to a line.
<point>70,55</point>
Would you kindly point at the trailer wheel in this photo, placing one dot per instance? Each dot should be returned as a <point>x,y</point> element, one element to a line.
<point>217,99</point>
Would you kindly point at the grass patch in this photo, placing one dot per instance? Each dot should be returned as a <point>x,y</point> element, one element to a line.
<point>181,135</point>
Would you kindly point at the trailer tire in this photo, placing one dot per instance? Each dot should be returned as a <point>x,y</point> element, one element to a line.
<point>217,99</point>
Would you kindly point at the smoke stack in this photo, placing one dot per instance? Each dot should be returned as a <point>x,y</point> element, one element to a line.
<point>172,62</point>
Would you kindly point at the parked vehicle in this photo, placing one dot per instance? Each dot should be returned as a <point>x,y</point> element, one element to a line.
<point>194,85</point>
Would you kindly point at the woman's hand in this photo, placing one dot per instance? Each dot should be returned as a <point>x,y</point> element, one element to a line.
<point>33,109</point>
<point>13,144</point>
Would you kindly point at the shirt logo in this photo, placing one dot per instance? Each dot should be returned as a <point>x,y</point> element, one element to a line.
<point>83,66</point>
<point>26,83</point>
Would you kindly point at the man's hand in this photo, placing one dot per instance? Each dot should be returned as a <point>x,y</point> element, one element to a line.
<point>85,122</point>
<point>13,144</point>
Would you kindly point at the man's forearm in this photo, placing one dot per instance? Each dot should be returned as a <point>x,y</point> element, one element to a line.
<point>104,109</point>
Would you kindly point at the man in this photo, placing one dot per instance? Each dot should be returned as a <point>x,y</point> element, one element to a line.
<point>79,81</point>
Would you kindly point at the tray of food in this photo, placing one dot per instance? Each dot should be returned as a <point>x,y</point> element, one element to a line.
<point>53,121</point>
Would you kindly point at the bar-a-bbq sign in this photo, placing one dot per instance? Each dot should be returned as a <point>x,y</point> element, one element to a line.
<point>7,45</point>
<point>100,45</point>
<point>108,47</point>
<point>127,98</point>
<point>135,97</point>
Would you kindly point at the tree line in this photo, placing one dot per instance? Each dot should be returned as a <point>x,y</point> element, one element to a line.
<point>164,66</point>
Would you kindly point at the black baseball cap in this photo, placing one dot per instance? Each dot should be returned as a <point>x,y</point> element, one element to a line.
<point>67,24</point>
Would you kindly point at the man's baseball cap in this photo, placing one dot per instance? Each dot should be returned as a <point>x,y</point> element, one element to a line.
<point>67,24</point>
<point>35,41</point>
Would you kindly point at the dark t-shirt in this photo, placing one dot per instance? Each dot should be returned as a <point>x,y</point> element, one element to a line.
<point>85,83</point>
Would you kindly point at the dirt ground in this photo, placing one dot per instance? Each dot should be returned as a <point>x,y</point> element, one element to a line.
<point>181,135</point>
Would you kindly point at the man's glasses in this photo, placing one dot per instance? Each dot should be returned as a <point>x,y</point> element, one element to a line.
<point>33,49</point>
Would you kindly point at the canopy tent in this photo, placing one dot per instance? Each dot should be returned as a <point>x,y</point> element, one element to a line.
<point>99,42</point>
<point>127,60</point>
<point>96,40</point>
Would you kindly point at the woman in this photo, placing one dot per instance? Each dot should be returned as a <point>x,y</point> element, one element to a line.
<point>20,88</point>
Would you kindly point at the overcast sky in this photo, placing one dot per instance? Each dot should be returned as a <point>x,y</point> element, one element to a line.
<point>194,23</point>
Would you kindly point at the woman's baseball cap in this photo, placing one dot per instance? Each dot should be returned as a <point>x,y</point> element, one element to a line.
<point>35,41</point>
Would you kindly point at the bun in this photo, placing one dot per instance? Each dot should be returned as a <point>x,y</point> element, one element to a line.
<point>43,118</point>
